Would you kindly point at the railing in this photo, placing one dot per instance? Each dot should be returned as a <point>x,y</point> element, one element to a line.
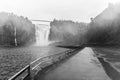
<point>38,65</point>
<point>23,74</point>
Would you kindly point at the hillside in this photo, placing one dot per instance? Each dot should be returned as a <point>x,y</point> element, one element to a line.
<point>103,29</point>
<point>67,32</point>
<point>15,30</point>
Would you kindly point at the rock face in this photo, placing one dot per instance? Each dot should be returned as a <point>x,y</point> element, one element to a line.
<point>16,31</point>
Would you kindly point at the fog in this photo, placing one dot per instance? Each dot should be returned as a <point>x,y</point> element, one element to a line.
<point>103,29</point>
<point>15,30</point>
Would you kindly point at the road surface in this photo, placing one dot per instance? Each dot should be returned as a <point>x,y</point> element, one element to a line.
<point>82,66</point>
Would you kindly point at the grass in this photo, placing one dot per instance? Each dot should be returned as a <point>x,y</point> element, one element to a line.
<point>14,59</point>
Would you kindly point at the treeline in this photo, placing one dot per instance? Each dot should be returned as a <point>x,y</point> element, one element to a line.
<point>67,31</point>
<point>15,30</point>
<point>104,29</point>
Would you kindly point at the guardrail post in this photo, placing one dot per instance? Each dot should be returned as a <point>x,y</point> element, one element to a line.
<point>29,73</point>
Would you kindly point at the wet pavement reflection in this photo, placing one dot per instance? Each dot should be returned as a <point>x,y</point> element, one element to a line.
<point>82,66</point>
<point>110,60</point>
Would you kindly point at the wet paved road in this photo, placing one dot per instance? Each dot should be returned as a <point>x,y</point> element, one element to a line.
<point>110,60</point>
<point>82,66</point>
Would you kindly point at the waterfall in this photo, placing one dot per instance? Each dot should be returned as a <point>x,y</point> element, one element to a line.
<point>42,34</point>
<point>15,36</point>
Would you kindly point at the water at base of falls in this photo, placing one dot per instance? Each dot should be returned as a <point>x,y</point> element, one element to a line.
<point>42,34</point>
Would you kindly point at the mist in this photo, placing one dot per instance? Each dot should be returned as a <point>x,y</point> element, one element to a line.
<point>16,30</point>
<point>103,29</point>
<point>68,32</point>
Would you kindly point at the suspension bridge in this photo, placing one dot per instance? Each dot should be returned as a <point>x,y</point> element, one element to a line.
<point>40,20</point>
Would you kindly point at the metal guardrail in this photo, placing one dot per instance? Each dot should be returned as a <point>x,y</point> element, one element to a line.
<point>28,72</point>
<point>22,74</point>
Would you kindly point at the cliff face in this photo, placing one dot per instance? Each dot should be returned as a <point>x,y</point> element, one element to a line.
<point>16,31</point>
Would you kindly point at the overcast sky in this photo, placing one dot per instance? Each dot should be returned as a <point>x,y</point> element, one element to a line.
<point>76,10</point>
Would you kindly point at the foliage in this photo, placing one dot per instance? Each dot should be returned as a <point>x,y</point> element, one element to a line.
<point>103,29</point>
<point>25,30</point>
<point>67,31</point>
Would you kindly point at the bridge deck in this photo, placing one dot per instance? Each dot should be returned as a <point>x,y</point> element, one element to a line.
<point>82,66</point>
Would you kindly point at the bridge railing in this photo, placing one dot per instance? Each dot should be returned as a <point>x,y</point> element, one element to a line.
<point>38,65</point>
